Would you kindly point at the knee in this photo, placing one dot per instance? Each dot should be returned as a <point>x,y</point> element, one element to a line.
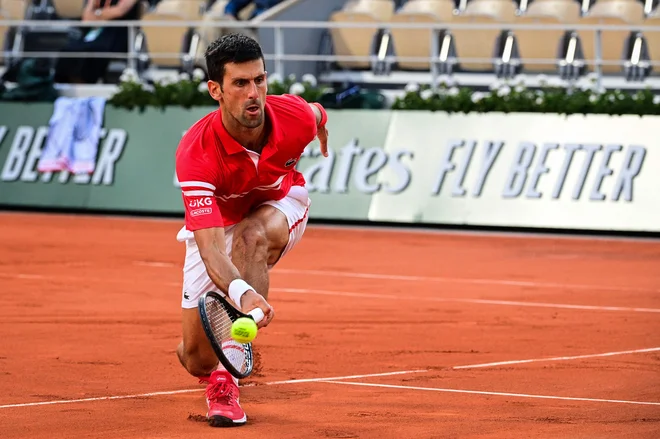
<point>195,361</point>
<point>253,239</point>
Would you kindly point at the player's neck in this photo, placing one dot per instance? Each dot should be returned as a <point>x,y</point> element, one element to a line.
<point>253,139</point>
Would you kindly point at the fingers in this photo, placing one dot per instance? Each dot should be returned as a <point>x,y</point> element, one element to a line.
<point>269,314</point>
<point>323,138</point>
<point>252,300</point>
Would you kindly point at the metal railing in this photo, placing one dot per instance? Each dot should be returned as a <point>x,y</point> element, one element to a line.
<point>437,54</point>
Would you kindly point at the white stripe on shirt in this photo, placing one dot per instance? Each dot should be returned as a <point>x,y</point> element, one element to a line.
<point>198,193</point>
<point>274,186</point>
<point>197,184</point>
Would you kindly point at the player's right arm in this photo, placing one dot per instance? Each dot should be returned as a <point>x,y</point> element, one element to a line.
<point>204,219</point>
<point>211,245</point>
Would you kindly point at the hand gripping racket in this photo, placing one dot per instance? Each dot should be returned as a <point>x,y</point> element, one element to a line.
<point>217,316</point>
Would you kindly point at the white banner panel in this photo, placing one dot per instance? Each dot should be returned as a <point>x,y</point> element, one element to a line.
<point>578,172</point>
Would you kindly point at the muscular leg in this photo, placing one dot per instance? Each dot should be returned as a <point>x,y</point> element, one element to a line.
<point>195,352</point>
<point>259,241</point>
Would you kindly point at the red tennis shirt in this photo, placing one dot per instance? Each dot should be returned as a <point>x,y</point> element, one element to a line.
<point>221,181</point>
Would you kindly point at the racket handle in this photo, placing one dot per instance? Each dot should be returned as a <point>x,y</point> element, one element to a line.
<point>257,314</point>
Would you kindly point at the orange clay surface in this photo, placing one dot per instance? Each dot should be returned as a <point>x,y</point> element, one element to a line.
<point>90,314</point>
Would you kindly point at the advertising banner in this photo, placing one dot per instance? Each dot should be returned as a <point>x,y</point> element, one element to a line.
<point>591,172</point>
<point>595,172</point>
<point>508,170</point>
<point>134,167</point>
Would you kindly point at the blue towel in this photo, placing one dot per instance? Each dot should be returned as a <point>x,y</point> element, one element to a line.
<point>73,135</point>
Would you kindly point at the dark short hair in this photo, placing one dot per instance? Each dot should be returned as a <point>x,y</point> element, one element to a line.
<point>237,48</point>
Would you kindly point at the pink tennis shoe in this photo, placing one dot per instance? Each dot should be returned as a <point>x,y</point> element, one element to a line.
<point>222,398</point>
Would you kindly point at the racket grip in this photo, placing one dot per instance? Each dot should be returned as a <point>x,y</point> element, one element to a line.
<point>257,314</point>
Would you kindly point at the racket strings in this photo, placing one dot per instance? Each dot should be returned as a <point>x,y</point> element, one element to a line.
<point>220,320</point>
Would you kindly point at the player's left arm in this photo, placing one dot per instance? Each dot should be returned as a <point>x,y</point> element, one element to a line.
<point>322,131</point>
<point>313,117</point>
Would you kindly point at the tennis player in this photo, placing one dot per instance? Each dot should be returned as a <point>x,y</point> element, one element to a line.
<point>246,205</point>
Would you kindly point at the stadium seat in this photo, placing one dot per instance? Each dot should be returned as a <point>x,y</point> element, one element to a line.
<point>14,8</point>
<point>546,43</point>
<point>653,41</point>
<point>209,31</point>
<point>613,43</point>
<point>417,42</point>
<point>169,40</point>
<point>359,41</point>
<point>481,43</point>
<point>9,10</point>
<point>68,9</point>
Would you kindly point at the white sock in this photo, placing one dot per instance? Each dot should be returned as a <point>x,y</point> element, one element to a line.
<point>222,368</point>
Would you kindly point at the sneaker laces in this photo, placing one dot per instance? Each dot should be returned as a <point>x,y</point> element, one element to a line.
<point>221,391</point>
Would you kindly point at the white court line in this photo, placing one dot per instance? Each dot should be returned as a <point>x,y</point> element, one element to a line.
<point>464,300</point>
<point>175,392</point>
<point>330,273</point>
<point>100,398</point>
<point>316,380</point>
<point>107,280</point>
<point>479,392</point>
<point>24,276</point>
<point>154,264</point>
<point>512,283</point>
<point>377,276</point>
<point>537,360</point>
<point>355,294</point>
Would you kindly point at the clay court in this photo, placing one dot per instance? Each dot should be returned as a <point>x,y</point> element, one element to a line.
<point>378,334</point>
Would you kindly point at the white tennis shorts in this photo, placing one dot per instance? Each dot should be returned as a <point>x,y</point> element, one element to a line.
<point>196,281</point>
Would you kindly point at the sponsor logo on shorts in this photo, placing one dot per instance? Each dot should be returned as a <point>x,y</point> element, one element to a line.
<point>203,211</point>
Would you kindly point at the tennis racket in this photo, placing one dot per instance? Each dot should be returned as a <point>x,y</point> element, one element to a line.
<point>217,316</point>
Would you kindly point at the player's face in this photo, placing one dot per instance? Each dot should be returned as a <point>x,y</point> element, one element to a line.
<point>243,94</point>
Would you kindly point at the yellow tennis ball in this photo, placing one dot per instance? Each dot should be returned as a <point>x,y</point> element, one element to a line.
<point>244,330</point>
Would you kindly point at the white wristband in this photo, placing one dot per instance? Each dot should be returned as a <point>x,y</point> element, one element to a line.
<point>236,289</point>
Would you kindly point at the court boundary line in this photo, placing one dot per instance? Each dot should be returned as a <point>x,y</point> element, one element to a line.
<point>336,380</point>
<point>403,277</point>
<point>514,303</point>
<point>473,281</point>
<point>483,392</point>
<point>370,375</point>
<point>98,398</point>
<point>539,360</point>
<point>175,392</point>
<point>464,300</point>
